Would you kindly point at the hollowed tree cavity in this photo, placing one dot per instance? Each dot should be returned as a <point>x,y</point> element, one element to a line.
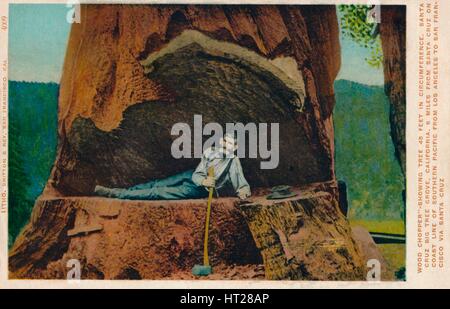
<point>222,82</point>
<point>133,71</point>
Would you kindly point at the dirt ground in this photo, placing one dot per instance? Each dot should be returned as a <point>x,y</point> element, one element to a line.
<point>225,272</point>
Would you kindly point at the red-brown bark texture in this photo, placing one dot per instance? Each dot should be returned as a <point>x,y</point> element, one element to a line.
<point>115,120</point>
<point>393,39</point>
<point>127,80</point>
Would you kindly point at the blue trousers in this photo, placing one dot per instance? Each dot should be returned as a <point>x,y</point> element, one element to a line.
<point>176,187</point>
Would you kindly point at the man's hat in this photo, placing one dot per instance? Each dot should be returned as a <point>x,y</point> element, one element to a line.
<point>281,192</point>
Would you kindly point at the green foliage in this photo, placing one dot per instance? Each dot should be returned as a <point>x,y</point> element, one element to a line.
<point>395,226</point>
<point>400,274</point>
<point>32,147</point>
<point>17,183</point>
<point>353,21</point>
<point>365,157</point>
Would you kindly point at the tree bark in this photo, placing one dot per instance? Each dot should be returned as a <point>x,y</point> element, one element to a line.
<point>393,39</point>
<point>305,237</point>
<point>136,239</point>
<point>115,116</point>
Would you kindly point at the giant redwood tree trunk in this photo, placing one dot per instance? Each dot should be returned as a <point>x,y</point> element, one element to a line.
<point>125,85</point>
<point>130,73</point>
<point>393,39</point>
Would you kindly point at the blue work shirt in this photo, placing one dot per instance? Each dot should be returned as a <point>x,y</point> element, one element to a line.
<point>227,171</point>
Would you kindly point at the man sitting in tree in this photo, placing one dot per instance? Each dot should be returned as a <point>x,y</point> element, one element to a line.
<point>192,184</point>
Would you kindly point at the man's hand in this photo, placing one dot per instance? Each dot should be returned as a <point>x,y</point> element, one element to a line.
<point>209,182</point>
<point>243,195</point>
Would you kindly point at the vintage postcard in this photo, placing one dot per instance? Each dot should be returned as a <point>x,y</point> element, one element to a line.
<point>225,144</point>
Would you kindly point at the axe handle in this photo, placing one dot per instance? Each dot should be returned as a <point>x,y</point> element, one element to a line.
<point>208,214</point>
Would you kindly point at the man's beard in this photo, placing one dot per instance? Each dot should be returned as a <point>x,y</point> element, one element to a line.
<point>227,153</point>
